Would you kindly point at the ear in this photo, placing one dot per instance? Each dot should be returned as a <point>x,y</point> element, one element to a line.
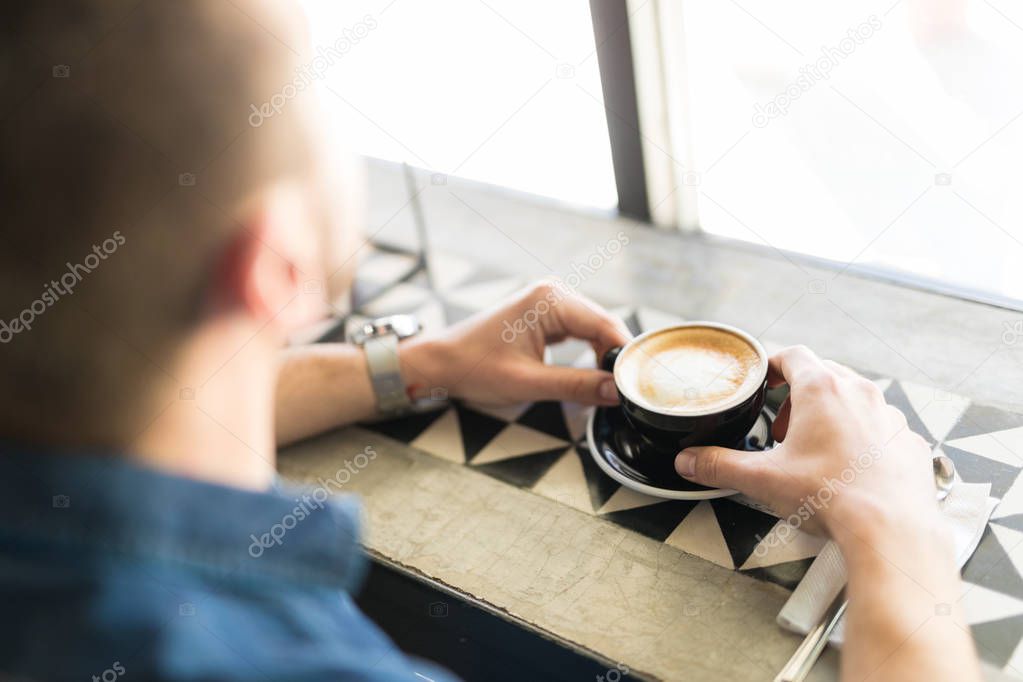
<point>267,268</point>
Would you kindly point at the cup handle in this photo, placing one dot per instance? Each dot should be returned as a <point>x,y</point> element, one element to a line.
<point>607,363</point>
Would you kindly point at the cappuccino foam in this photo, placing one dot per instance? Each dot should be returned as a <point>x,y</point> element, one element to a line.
<point>690,369</point>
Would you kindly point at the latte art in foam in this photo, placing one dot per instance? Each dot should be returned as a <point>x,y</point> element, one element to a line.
<point>690,369</point>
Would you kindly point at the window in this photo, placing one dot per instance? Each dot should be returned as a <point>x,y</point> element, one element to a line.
<point>883,136</point>
<point>500,92</point>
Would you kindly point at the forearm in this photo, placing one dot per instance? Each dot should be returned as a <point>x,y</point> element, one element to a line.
<point>903,619</point>
<point>320,387</point>
<point>323,386</point>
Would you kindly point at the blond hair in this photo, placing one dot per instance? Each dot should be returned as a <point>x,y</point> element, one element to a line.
<point>127,150</point>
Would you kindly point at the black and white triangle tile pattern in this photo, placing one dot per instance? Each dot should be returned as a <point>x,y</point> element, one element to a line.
<point>541,447</point>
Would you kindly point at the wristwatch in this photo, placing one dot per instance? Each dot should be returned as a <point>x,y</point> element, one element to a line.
<point>379,341</point>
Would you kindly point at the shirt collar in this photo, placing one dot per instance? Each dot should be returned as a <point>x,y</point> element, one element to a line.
<point>97,502</point>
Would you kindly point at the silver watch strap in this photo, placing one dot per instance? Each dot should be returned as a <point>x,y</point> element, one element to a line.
<point>385,375</point>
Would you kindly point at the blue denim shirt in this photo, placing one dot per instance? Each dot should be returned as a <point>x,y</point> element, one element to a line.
<point>109,570</point>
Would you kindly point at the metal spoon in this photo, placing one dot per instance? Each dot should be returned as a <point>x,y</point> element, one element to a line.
<point>944,475</point>
<point>813,644</point>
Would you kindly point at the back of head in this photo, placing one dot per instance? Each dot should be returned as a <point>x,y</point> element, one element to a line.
<point>127,151</point>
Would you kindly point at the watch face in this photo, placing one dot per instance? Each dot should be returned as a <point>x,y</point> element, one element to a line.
<point>401,326</point>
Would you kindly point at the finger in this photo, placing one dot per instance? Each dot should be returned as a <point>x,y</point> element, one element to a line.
<point>581,318</point>
<point>722,468</point>
<point>574,384</point>
<point>793,366</point>
<point>774,375</point>
<point>780,427</point>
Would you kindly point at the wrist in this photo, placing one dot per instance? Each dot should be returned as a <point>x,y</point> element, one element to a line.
<point>423,365</point>
<point>878,534</point>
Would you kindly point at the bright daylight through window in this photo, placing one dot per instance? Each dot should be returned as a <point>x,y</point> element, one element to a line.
<point>516,101</point>
<point>887,134</point>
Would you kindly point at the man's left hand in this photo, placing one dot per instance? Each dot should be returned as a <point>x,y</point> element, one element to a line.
<point>497,356</point>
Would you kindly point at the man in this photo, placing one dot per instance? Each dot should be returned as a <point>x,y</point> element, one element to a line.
<point>155,250</point>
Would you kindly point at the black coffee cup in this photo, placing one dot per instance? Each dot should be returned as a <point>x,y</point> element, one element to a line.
<point>667,431</point>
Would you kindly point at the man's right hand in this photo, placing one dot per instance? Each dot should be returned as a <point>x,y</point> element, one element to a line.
<point>848,466</point>
<point>845,458</point>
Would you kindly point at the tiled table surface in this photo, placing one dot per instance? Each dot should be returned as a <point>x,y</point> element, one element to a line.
<point>541,447</point>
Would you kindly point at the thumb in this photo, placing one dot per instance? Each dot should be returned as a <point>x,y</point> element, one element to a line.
<point>721,468</point>
<point>574,384</point>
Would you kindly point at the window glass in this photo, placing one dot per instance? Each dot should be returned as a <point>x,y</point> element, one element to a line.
<point>502,92</point>
<point>887,134</point>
